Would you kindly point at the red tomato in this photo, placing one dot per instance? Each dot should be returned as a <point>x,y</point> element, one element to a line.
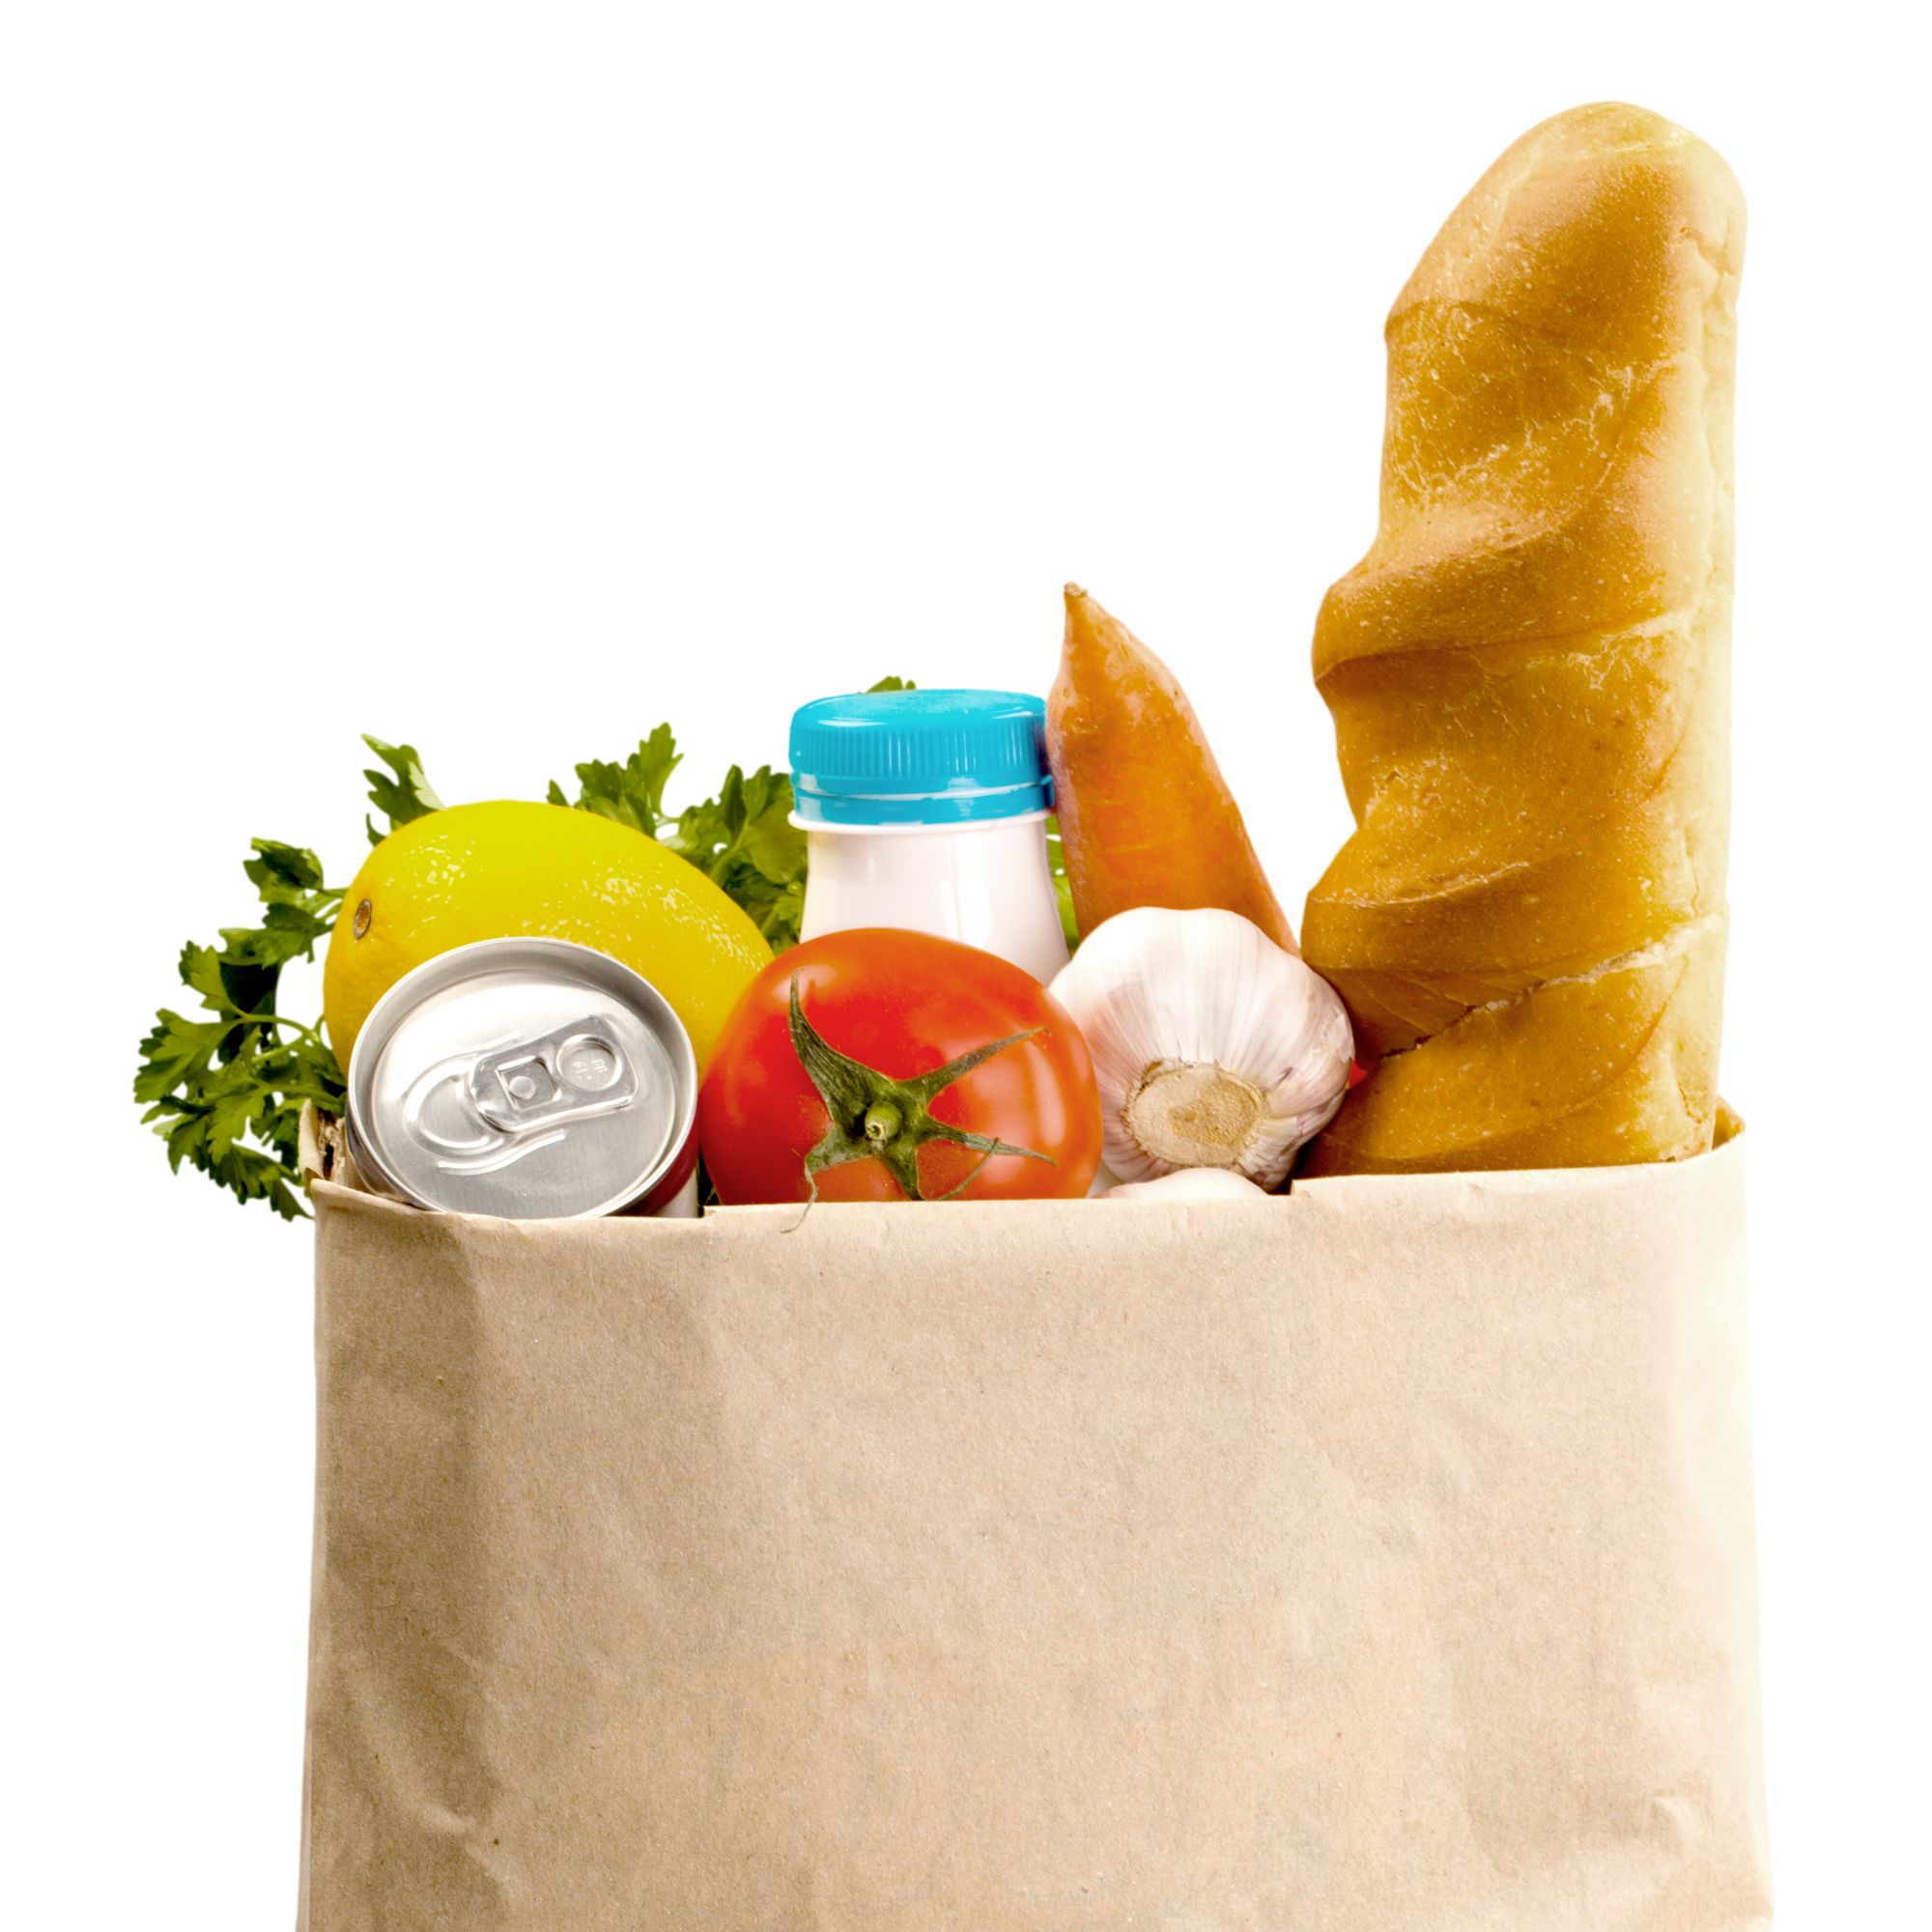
<point>901,1004</point>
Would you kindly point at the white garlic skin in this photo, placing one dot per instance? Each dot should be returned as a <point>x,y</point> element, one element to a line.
<point>1191,1183</point>
<point>1211,1047</point>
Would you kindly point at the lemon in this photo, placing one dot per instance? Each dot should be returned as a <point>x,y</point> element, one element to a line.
<point>499,870</point>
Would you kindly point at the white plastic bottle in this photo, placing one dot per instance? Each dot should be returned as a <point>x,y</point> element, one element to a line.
<point>927,809</point>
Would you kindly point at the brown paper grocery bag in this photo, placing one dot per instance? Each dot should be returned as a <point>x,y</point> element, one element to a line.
<point>1375,1557</point>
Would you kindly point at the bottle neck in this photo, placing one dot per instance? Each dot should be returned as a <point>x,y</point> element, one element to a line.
<point>908,829</point>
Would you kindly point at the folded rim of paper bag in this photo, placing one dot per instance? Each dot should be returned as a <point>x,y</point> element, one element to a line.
<point>327,1162</point>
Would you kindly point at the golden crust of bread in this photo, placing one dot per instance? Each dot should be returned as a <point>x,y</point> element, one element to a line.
<point>1528,670</point>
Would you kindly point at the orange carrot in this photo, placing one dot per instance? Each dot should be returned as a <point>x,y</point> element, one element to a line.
<point>1146,817</point>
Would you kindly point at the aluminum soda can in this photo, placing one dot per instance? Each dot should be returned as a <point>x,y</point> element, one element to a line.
<point>528,1078</point>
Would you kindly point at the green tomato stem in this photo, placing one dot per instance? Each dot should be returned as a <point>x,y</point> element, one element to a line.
<point>870,1116</point>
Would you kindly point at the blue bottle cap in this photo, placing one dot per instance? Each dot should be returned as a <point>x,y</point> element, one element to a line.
<point>920,758</point>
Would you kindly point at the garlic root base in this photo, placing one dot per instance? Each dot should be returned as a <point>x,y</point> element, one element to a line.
<point>1191,1114</point>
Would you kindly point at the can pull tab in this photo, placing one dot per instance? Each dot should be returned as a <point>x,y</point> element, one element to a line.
<point>569,1074</point>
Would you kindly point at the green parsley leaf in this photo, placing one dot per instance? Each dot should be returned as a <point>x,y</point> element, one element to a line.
<point>283,874</point>
<point>177,1053</point>
<point>404,797</point>
<point>744,841</point>
<point>632,792</point>
<point>213,1086</point>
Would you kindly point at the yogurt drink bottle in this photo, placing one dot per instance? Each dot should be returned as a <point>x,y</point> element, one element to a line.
<point>927,809</point>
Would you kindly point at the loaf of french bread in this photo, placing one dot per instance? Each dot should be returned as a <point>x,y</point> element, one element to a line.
<point>1529,671</point>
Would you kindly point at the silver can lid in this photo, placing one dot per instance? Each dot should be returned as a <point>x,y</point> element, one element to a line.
<point>528,1078</point>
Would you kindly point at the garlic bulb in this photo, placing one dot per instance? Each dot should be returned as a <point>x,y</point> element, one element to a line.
<point>1212,1047</point>
<point>1189,1183</point>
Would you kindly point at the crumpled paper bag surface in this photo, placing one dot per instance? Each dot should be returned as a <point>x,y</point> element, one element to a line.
<point>1379,1557</point>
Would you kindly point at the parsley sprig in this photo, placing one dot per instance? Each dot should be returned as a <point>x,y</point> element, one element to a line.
<point>213,1086</point>
<point>225,1087</point>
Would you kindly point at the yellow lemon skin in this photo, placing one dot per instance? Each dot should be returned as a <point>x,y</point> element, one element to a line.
<point>515,868</point>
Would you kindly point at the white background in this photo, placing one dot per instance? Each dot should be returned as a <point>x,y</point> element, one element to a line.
<point>509,379</point>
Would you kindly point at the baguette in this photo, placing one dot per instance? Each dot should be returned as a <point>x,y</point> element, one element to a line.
<point>1528,673</point>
